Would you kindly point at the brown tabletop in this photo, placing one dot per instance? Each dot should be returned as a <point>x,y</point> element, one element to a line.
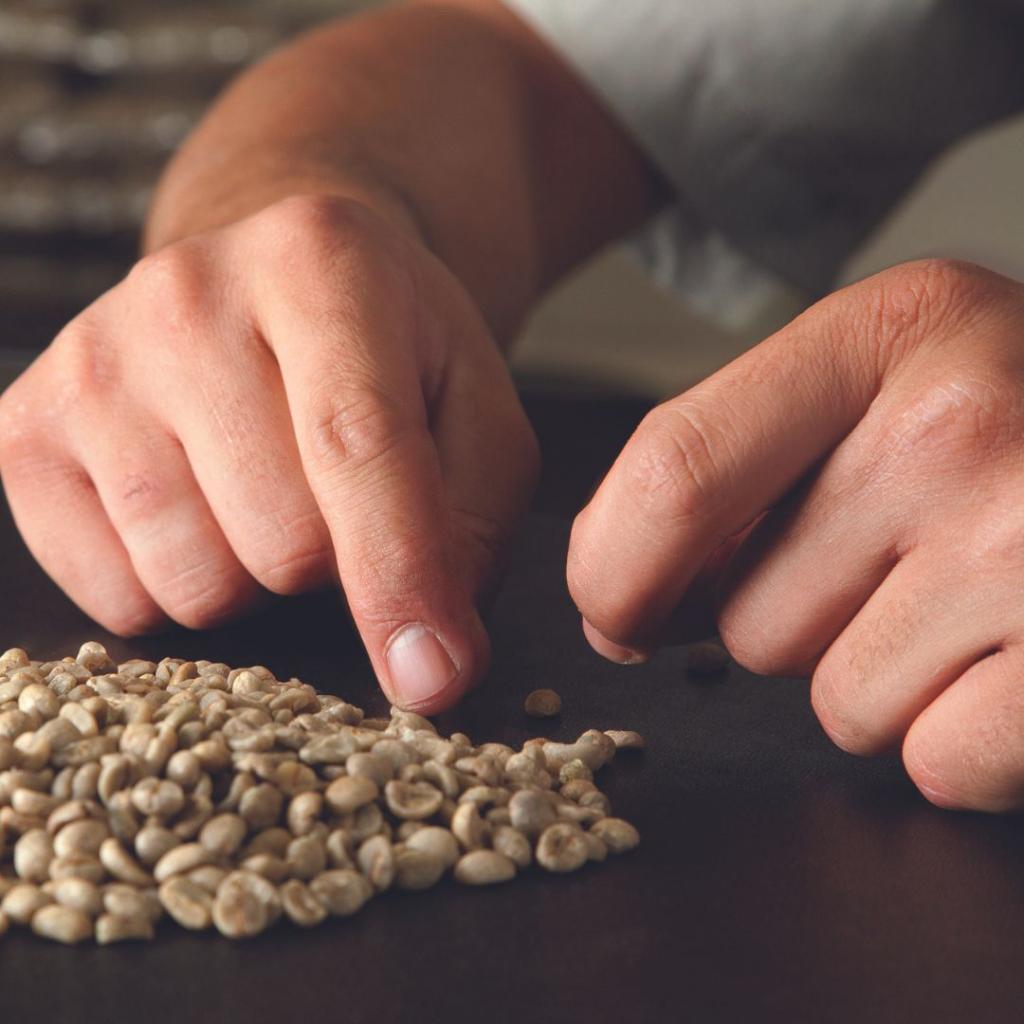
<point>778,879</point>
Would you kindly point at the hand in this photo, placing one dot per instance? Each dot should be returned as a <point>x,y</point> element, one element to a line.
<point>852,492</point>
<point>304,396</point>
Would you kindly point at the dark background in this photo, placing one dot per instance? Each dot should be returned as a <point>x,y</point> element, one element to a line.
<point>777,878</point>
<point>94,97</point>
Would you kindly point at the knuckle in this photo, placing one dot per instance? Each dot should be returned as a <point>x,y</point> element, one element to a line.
<point>353,424</point>
<point>908,300</point>
<point>959,417</point>
<point>175,279</point>
<point>379,611</point>
<point>617,616</point>
<point>407,570</point>
<point>295,572</point>
<point>82,365</point>
<point>925,291</point>
<point>938,282</point>
<point>31,452</point>
<point>835,711</point>
<point>139,489</point>
<point>759,645</point>
<point>671,466</point>
<point>993,549</point>
<point>17,428</point>
<point>484,532</point>
<point>954,779</point>
<point>203,594</point>
<point>301,562</point>
<point>137,497</point>
<point>969,757</point>
<point>374,617</point>
<point>118,601</point>
<point>317,226</point>
<point>132,618</point>
<point>933,785</point>
<point>38,475</point>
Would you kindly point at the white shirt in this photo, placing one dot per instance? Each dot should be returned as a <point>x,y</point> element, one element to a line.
<point>788,128</point>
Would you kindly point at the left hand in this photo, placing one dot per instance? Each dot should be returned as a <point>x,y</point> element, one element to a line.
<point>852,491</point>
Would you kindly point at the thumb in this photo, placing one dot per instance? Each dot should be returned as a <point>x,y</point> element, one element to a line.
<point>703,466</point>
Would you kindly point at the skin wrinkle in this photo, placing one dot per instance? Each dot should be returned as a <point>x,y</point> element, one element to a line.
<point>205,607</point>
<point>999,732</point>
<point>701,426</point>
<point>333,322</point>
<point>791,643</point>
<point>664,476</point>
<point>962,759</point>
<point>383,542</point>
<point>139,496</point>
<point>868,464</point>
<point>878,644</point>
<point>954,412</point>
<point>174,280</point>
<point>995,546</point>
<point>295,572</point>
<point>912,301</point>
<point>82,371</point>
<point>235,417</point>
<point>753,603</point>
<point>356,434</point>
<point>65,481</point>
<point>173,561</point>
<point>136,487</point>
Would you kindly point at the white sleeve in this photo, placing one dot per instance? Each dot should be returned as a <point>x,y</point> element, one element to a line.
<point>788,128</point>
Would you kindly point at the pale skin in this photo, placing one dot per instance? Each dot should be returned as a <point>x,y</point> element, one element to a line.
<point>303,383</point>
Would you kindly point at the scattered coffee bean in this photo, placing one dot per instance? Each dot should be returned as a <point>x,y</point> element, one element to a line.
<point>707,659</point>
<point>542,704</point>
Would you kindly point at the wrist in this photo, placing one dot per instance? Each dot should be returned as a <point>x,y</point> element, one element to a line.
<point>190,201</point>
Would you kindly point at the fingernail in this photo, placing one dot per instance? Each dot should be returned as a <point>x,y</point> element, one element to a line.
<point>419,667</point>
<point>611,650</point>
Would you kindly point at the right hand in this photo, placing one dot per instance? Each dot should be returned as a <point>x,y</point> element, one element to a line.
<point>304,396</point>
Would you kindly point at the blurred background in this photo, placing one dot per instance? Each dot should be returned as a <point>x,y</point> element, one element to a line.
<point>94,97</point>
<point>96,94</point>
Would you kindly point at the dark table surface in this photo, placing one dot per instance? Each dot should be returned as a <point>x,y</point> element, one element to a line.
<point>778,879</point>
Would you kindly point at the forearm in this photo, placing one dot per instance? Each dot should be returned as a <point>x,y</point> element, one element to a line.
<point>450,118</point>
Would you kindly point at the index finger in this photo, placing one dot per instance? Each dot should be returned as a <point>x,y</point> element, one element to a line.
<point>703,466</point>
<point>354,387</point>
